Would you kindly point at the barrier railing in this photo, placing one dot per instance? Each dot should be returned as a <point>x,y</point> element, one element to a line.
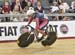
<point>23,15</point>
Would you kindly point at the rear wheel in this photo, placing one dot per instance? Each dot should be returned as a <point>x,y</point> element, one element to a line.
<point>50,39</point>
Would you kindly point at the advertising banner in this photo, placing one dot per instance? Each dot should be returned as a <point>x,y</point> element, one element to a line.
<point>12,30</point>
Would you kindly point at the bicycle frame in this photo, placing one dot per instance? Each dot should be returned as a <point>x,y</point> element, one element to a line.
<point>35,34</point>
<point>28,37</point>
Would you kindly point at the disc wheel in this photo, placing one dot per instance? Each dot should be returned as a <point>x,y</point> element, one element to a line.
<point>50,39</point>
<point>25,39</point>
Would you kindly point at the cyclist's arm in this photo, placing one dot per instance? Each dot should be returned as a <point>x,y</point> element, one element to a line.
<point>30,20</point>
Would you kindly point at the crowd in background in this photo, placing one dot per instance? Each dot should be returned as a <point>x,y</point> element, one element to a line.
<point>61,6</point>
<point>21,7</point>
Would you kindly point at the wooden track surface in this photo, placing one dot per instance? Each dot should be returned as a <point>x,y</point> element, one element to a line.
<point>60,47</point>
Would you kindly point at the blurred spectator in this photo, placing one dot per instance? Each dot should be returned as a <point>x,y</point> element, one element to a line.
<point>24,4</point>
<point>1,3</point>
<point>6,9</point>
<point>16,10</point>
<point>1,18</point>
<point>54,8</point>
<point>13,4</point>
<point>29,4</point>
<point>73,5</point>
<point>50,2</point>
<point>19,4</point>
<point>59,8</point>
<point>39,8</point>
<point>59,1</point>
<point>24,12</point>
<point>64,6</point>
<point>1,10</point>
<point>72,9</point>
<point>34,2</point>
<point>67,19</point>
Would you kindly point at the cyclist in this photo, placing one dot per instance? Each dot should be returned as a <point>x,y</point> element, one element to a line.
<point>40,19</point>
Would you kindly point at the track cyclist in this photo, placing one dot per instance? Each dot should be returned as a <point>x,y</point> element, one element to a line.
<point>41,21</point>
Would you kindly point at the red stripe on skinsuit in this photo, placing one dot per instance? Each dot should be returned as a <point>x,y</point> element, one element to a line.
<point>37,23</point>
<point>45,21</point>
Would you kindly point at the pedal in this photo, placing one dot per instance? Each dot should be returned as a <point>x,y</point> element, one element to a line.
<point>35,40</point>
<point>40,39</point>
<point>32,33</point>
<point>45,37</point>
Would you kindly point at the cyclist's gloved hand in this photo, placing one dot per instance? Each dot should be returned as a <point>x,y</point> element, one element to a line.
<point>27,25</point>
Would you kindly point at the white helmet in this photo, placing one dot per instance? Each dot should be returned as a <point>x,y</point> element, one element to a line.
<point>31,8</point>
<point>30,11</point>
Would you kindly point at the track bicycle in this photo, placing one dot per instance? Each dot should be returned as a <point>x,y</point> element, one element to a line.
<point>28,37</point>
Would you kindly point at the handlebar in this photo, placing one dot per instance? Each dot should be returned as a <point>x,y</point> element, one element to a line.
<point>30,26</point>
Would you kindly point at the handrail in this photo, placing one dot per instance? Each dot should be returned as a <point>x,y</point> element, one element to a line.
<point>23,15</point>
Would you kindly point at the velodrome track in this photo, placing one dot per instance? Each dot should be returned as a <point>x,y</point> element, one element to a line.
<point>60,47</point>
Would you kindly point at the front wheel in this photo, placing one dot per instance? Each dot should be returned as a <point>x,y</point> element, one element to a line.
<point>25,39</point>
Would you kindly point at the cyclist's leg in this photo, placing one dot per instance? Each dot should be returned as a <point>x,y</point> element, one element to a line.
<point>42,25</point>
<point>37,28</point>
<point>39,25</point>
